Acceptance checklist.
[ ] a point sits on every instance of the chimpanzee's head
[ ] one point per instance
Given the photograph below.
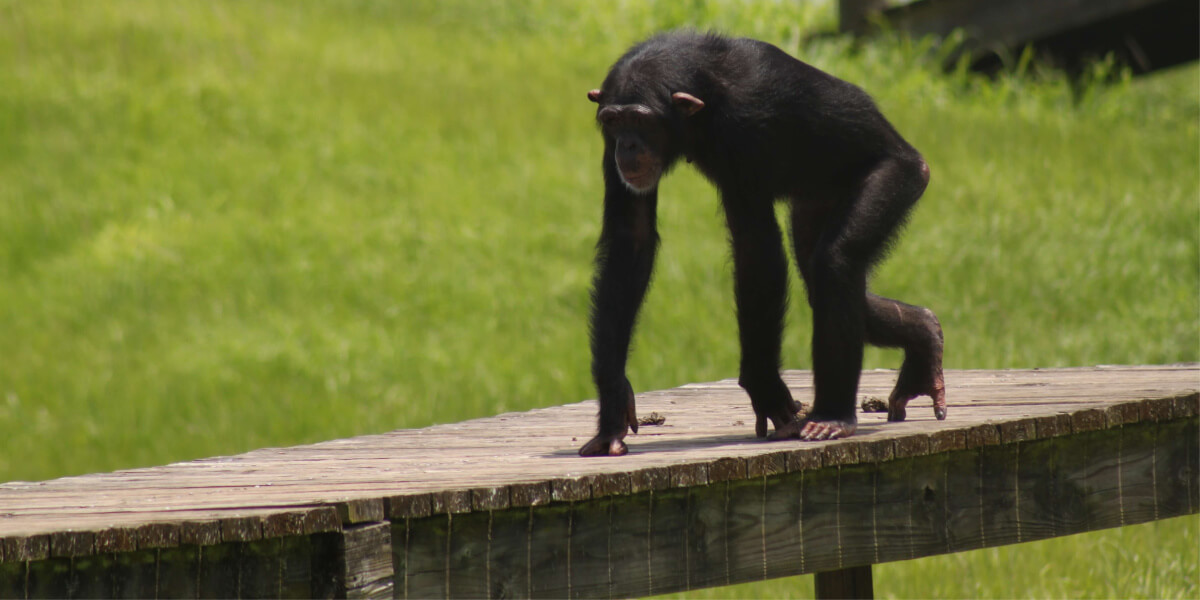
(641, 136)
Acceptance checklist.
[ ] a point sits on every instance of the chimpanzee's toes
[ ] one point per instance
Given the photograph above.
(827, 430)
(604, 446)
(909, 385)
(814, 430)
(900, 398)
(939, 402)
(760, 427)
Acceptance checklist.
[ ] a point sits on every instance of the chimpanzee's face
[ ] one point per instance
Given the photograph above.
(639, 139)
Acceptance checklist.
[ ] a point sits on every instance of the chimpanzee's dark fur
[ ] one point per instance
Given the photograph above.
(762, 126)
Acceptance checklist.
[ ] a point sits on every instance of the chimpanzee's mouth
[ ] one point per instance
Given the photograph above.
(641, 181)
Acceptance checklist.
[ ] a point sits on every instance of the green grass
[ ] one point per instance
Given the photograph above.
(228, 225)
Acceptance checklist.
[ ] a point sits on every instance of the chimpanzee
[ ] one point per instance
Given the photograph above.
(762, 126)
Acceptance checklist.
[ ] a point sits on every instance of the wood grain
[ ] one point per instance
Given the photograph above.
(823, 520)
(458, 509)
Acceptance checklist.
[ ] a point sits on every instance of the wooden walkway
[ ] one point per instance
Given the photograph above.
(502, 506)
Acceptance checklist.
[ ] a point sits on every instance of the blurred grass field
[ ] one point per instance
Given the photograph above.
(228, 225)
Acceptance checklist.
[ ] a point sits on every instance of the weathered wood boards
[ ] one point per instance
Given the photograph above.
(804, 520)
(461, 510)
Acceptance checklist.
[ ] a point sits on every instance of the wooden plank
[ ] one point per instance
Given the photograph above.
(178, 573)
(258, 569)
(529, 494)
(295, 567)
(13, 578)
(241, 529)
(417, 505)
(1098, 476)
(426, 544)
(828, 518)
(697, 502)
(361, 510)
(1041, 504)
(1136, 475)
(401, 529)
(327, 565)
(93, 575)
(965, 527)
(509, 573)
(744, 552)
(670, 511)
(69, 543)
(550, 550)
(590, 551)
(26, 547)
(199, 533)
(451, 502)
(998, 488)
(632, 519)
(135, 575)
(928, 501)
(219, 573)
(367, 559)
(467, 557)
(852, 582)
(1001, 389)
(1177, 467)
(781, 527)
(708, 555)
(51, 578)
(820, 520)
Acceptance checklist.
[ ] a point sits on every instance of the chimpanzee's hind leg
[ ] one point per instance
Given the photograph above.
(836, 242)
(894, 324)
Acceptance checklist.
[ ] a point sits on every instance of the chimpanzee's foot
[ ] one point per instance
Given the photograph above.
(812, 429)
(936, 390)
(603, 445)
(611, 445)
(760, 422)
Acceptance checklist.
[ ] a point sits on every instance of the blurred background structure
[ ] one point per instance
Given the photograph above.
(1146, 35)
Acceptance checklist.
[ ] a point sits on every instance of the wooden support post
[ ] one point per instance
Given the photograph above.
(367, 561)
(854, 582)
(364, 546)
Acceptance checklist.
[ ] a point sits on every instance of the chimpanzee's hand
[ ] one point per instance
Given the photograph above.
(760, 423)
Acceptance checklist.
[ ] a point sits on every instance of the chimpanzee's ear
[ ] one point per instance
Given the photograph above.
(686, 103)
(594, 96)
